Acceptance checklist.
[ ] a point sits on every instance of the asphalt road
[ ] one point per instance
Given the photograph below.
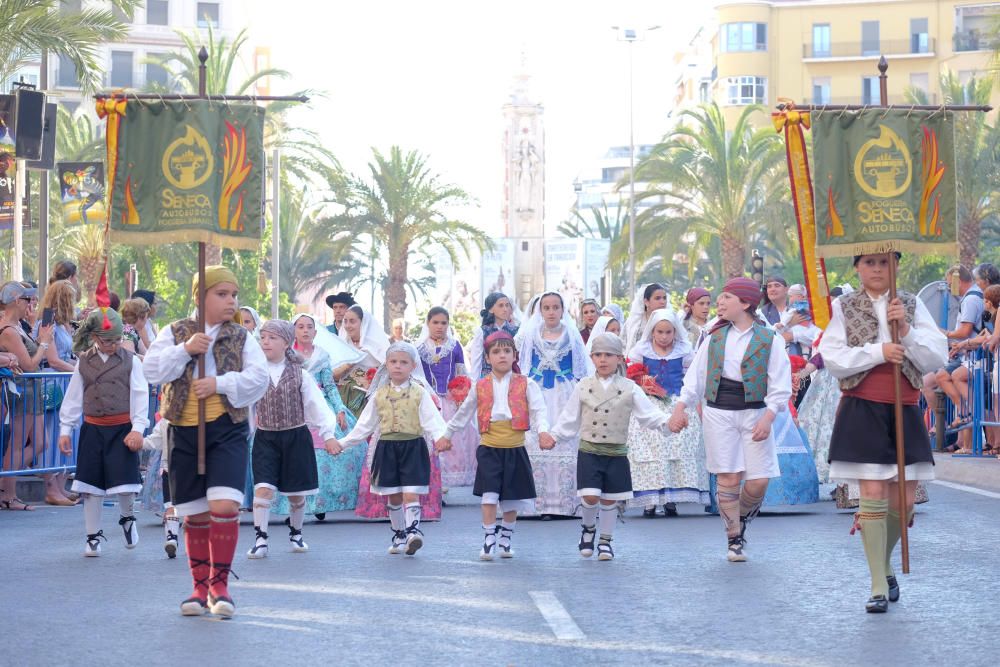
(670, 596)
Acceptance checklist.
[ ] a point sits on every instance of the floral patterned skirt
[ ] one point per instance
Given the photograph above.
(668, 467)
(816, 416)
(338, 482)
(458, 464)
(554, 469)
(798, 483)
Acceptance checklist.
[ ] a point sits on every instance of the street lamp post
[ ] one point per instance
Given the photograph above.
(631, 35)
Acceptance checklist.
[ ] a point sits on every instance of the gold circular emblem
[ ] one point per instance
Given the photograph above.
(188, 161)
(883, 167)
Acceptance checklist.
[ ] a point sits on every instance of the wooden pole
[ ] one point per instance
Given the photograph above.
(897, 377)
(202, 58)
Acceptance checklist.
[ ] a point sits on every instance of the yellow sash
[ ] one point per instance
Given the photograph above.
(502, 435)
(189, 414)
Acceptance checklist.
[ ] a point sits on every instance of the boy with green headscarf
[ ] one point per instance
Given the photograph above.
(109, 390)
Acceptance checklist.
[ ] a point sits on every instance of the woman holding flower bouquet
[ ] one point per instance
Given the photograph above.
(443, 361)
(667, 468)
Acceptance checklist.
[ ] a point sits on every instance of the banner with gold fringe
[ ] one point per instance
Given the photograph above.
(184, 171)
(886, 179)
(792, 124)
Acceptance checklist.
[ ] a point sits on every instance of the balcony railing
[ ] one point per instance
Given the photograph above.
(918, 45)
(973, 40)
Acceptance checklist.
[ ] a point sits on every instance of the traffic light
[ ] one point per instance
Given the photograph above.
(757, 267)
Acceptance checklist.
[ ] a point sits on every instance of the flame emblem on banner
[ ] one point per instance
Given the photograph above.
(835, 227)
(130, 216)
(235, 170)
(187, 169)
(933, 171)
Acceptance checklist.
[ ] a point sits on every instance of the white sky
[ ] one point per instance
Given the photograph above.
(433, 76)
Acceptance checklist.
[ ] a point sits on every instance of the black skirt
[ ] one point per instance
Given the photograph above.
(401, 464)
(864, 432)
(607, 474)
(285, 460)
(104, 463)
(226, 449)
(506, 471)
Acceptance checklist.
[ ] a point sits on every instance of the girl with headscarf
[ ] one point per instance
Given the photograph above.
(615, 311)
(291, 411)
(667, 468)
(251, 320)
(497, 315)
(364, 334)
(605, 324)
(321, 352)
(552, 353)
(647, 299)
(697, 303)
(443, 361)
(404, 422)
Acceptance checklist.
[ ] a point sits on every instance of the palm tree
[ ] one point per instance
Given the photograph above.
(403, 206)
(28, 27)
(710, 181)
(977, 160)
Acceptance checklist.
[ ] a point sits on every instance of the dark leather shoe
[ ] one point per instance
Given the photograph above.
(670, 509)
(649, 512)
(893, 589)
(877, 604)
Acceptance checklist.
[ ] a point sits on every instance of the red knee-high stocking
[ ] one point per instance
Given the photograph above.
(196, 540)
(224, 532)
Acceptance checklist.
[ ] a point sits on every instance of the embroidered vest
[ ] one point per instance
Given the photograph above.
(281, 408)
(228, 354)
(753, 368)
(517, 399)
(399, 412)
(861, 327)
(605, 413)
(107, 386)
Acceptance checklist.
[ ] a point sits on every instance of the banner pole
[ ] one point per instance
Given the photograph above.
(904, 541)
(202, 58)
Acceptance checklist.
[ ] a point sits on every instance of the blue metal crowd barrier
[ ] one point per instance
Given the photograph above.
(980, 402)
(29, 423)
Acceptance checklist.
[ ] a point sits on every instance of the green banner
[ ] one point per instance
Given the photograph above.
(184, 171)
(884, 180)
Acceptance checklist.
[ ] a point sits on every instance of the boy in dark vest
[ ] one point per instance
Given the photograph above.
(506, 405)
(283, 458)
(235, 378)
(598, 413)
(857, 349)
(109, 389)
(745, 381)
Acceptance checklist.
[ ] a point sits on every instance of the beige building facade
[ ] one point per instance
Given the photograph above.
(826, 51)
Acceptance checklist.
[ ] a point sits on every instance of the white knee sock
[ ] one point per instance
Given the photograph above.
(396, 517)
(588, 514)
(125, 503)
(412, 515)
(609, 514)
(92, 512)
(261, 512)
(297, 513)
(490, 533)
(172, 524)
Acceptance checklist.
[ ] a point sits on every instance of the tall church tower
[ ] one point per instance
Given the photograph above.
(524, 187)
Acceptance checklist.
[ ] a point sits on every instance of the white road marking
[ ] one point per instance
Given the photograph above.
(562, 624)
(968, 489)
